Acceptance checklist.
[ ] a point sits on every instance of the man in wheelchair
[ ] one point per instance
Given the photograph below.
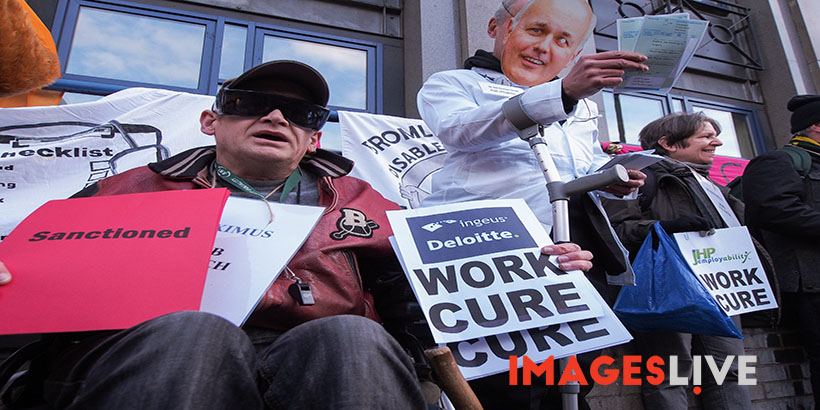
(339, 328)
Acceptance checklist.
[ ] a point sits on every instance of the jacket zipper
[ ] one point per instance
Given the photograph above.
(354, 267)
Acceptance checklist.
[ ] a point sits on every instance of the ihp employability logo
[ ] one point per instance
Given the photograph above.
(707, 256)
(466, 233)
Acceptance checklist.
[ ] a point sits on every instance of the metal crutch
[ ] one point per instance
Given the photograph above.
(559, 193)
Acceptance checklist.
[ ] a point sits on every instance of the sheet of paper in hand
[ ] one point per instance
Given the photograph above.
(728, 266)
(108, 262)
(250, 251)
(668, 41)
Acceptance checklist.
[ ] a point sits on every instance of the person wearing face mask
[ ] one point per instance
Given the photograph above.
(534, 40)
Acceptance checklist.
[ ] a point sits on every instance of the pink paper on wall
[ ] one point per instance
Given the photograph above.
(108, 262)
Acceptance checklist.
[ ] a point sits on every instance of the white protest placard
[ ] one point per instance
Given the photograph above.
(489, 355)
(249, 253)
(52, 152)
(728, 266)
(477, 270)
(397, 156)
(480, 357)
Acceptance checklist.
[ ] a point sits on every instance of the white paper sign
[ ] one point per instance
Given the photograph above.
(249, 253)
(727, 264)
(669, 42)
(477, 270)
(480, 357)
(397, 156)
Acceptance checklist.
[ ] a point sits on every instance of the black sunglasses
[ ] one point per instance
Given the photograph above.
(254, 103)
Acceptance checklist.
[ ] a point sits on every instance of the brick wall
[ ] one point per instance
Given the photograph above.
(782, 373)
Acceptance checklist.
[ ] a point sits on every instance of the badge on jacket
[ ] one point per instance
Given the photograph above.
(353, 222)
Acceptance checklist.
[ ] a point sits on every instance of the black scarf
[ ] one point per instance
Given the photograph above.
(483, 59)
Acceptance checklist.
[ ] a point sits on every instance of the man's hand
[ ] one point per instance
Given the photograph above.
(593, 72)
(5, 275)
(636, 180)
(570, 256)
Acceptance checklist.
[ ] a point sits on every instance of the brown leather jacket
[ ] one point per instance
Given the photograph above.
(345, 260)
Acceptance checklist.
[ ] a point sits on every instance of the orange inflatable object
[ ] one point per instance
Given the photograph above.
(28, 58)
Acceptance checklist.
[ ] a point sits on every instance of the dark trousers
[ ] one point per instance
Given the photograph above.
(195, 360)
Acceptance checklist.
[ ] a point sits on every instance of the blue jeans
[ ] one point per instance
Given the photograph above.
(194, 360)
(728, 396)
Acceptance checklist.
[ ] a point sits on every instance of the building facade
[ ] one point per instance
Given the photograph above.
(376, 54)
(755, 55)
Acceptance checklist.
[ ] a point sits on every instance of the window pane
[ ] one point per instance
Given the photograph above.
(345, 69)
(130, 47)
(734, 132)
(75, 98)
(677, 105)
(636, 112)
(331, 137)
(232, 62)
(611, 117)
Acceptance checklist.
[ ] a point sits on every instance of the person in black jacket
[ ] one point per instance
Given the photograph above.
(675, 194)
(783, 212)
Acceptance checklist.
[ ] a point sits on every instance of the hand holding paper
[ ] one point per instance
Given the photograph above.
(669, 42)
(593, 72)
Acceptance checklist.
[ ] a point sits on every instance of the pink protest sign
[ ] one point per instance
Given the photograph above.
(108, 262)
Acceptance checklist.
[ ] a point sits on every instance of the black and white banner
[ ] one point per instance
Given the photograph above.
(398, 156)
(52, 152)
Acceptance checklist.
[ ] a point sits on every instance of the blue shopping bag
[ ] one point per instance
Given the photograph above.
(667, 296)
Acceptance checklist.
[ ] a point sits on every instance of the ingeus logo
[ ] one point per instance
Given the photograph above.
(467, 233)
(434, 226)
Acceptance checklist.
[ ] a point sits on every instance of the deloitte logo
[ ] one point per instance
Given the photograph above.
(467, 233)
(478, 237)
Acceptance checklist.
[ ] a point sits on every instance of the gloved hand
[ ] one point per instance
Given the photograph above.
(686, 223)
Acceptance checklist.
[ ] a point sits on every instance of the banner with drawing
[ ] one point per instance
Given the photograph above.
(398, 156)
(52, 152)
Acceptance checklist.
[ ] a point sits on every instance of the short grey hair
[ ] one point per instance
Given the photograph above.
(503, 13)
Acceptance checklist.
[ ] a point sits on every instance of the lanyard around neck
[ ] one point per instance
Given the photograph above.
(233, 179)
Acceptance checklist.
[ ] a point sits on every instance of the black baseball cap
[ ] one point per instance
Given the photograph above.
(283, 70)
